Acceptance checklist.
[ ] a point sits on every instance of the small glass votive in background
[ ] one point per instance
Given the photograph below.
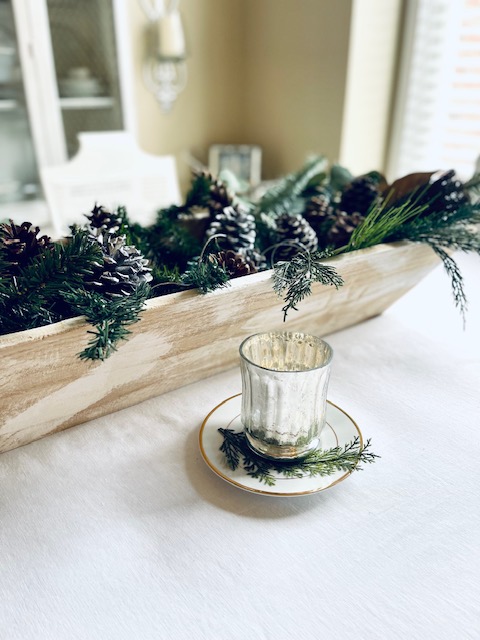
(284, 392)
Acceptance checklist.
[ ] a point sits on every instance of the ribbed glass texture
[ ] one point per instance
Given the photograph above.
(284, 392)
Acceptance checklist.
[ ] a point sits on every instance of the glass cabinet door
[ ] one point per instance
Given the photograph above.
(61, 74)
(19, 178)
(86, 66)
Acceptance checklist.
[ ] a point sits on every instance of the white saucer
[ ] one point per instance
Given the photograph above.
(339, 430)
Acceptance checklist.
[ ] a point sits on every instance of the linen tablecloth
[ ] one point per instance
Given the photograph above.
(117, 529)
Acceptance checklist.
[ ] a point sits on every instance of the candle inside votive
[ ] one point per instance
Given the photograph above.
(284, 392)
(171, 36)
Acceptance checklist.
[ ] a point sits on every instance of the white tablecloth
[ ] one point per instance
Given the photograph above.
(118, 530)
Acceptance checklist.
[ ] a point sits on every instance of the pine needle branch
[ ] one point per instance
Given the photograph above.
(456, 278)
(383, 221)
(347, 458)
(284, 195)
(293, 279)
(110, 317)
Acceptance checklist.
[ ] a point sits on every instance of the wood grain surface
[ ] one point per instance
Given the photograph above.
(182, 337)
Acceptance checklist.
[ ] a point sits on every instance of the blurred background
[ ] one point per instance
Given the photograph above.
(390, 85)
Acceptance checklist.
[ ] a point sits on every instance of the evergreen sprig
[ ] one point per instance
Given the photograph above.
(168, 243)
(199, 191)
(286, 194)
(320, 462)
(33, 297)
(446, 231)
(383, 221)
(206, 274)
(293, 279)
(110, 317)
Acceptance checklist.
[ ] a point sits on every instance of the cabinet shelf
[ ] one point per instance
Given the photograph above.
(87, 102)
(8, 104)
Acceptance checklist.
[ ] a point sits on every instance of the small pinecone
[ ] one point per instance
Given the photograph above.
(235, 264)
(445, 193)
(101, 221)
(293, 233)
(219, 197)
(239, 227)
(319, 211)
(343, 227)
(20, 243)
(359, 195)
(123, 270)
(254, 257)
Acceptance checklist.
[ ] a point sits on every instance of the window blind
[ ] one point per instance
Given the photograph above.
(436, 119)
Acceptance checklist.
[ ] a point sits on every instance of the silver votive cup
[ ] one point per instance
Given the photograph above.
(285, 378)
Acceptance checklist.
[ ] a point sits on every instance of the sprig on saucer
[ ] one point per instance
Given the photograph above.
(321, 462)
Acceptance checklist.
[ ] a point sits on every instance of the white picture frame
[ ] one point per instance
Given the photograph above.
(243, 160)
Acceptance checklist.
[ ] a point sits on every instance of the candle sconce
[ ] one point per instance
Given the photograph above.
(165, 67)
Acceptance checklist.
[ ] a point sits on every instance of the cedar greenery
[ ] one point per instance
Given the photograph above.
(42, 282)
(319, 462)
(293, 279)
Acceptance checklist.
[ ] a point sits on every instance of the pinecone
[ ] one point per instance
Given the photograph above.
(343, 227)
(101, 221)
(20, 243)
(444, 193)
(235, 264)
(293, 233)
(219, 196)
(320, 211)
(254, 257)
(359, 195)
(239, 227)
(123, 268)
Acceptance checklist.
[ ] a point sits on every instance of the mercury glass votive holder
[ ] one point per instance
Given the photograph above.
(285, 378)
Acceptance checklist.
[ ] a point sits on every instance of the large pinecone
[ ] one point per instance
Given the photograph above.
(235, 264)
(444, 193)
(239, 227)
(343, 227)
(20, 243)
(101, 221)
(359, 195)
(124, 268)
(293, 234)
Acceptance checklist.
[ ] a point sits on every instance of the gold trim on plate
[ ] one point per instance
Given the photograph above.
(261, 491)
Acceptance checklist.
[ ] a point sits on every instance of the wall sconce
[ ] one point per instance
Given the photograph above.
(165, 68)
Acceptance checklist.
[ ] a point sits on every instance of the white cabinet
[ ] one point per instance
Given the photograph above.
(65, 68)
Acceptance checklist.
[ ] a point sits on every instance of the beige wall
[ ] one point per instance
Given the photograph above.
(296, 75)
(266, 72)
(210, 109)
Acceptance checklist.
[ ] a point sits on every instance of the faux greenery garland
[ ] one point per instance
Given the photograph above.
(107, 269)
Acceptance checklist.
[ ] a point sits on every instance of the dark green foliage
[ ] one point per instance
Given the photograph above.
(293, 280)
(206, 275)
(320, 462)
(199, 191)
(454, 230)
(51, 287)
(43, 282)
(33, 297)
(110, 317)
(286, 195)
(167, 243)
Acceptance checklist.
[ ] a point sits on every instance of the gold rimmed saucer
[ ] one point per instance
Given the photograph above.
(339, 430)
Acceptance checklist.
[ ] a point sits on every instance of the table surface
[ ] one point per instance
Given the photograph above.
(117, 529)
